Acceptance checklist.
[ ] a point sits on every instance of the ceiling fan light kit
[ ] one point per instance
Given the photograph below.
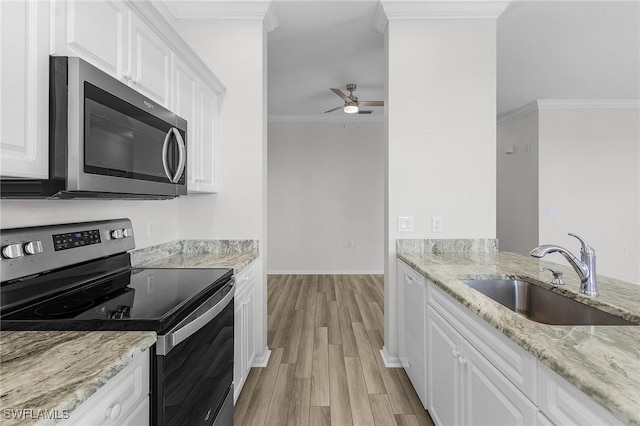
(351, 103)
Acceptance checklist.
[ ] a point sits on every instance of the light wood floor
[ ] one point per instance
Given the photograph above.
(325, 333)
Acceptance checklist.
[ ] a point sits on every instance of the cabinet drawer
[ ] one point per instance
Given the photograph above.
(516, 364)
(563, 404)
(119, 399)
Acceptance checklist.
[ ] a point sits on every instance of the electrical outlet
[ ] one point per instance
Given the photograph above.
(436, 224)
(349, 243)
(151, 229)
(625, 250)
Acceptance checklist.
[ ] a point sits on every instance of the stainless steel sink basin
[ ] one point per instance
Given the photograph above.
(541, 305)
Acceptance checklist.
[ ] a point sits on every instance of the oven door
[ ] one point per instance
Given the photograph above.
(194, 366)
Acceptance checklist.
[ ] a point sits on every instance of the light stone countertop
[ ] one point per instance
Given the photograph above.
(602, 361)
(235, 254)
(237, 261)
(56, 371)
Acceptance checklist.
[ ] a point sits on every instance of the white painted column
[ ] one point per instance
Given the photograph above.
(441, 124)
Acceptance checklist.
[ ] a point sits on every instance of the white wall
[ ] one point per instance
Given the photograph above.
(517, 183)
(162, 214)
(326, 186)
(441, 105)
(590, 175)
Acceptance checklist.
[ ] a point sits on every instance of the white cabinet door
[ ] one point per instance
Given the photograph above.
(149, 61)
(95, 31)
(244, 327)
(24, 85)
(563, 404)
(489, 398)
(238, 345)
(123, 400)
(443, 372)
(414, 329)
(186, 105)
(250, 320)
(208, 121)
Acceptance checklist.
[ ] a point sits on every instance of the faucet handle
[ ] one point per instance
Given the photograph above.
(585, 248)
(557, 276)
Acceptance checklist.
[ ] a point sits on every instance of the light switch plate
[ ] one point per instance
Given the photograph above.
(405, 224)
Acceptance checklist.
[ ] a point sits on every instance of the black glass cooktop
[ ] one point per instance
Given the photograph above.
(134, 299)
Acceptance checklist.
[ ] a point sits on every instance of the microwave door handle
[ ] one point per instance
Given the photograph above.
(183, 155)
(165, 152)
(167, 342)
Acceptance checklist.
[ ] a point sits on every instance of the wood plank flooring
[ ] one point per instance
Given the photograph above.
(325, 334)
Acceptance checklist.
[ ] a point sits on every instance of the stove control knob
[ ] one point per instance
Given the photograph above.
(128, 232)
(12, 251)
(33, 247)
(117, 234)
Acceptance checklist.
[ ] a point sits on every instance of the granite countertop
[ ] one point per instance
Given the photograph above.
(602, 361)
(56, 371)
(235, 254)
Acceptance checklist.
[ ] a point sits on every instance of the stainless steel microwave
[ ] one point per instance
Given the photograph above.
(106, 140)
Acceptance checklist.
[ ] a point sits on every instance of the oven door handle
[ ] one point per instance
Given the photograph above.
(172, 339)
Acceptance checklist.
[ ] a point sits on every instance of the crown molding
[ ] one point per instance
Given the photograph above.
(518, 112)
(436, 9)
(588, 103)
(226, 9)
(325, 118)
(542, 104)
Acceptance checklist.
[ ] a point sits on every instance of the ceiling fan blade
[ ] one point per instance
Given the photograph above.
(342, 95)
(335, 109)
(371, 103)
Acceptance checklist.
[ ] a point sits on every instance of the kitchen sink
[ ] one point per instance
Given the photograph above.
(541, 305)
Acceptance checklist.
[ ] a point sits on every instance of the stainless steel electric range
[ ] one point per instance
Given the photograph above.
(79, 277)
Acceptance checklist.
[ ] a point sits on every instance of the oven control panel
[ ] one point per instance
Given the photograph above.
(29, 251)
(76, 239)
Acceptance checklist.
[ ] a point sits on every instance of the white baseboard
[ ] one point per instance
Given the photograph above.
(262, 360)
(390, 362)
(325, 272)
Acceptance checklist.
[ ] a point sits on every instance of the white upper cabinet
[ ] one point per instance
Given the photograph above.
(196, 102)
(149, 61)
(114, 38)
(129, 40)
(96, 31)
(205, 178)
(24, 85)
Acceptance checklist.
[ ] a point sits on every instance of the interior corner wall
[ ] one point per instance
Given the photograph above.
(325, 185)
(517, 183)
(441, 110)
(590, 176)
(234, 51)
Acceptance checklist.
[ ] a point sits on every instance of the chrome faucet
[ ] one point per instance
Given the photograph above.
(585, 267)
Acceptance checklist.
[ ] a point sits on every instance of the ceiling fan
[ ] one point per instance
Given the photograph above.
(351, 103)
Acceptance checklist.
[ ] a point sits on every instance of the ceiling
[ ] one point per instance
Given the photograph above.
(545, 50)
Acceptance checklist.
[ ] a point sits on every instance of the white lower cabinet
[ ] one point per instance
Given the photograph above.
(244, 342)
(563, 404)
(464, 388)
(477, 376)
(123, 400)
(412, 347)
